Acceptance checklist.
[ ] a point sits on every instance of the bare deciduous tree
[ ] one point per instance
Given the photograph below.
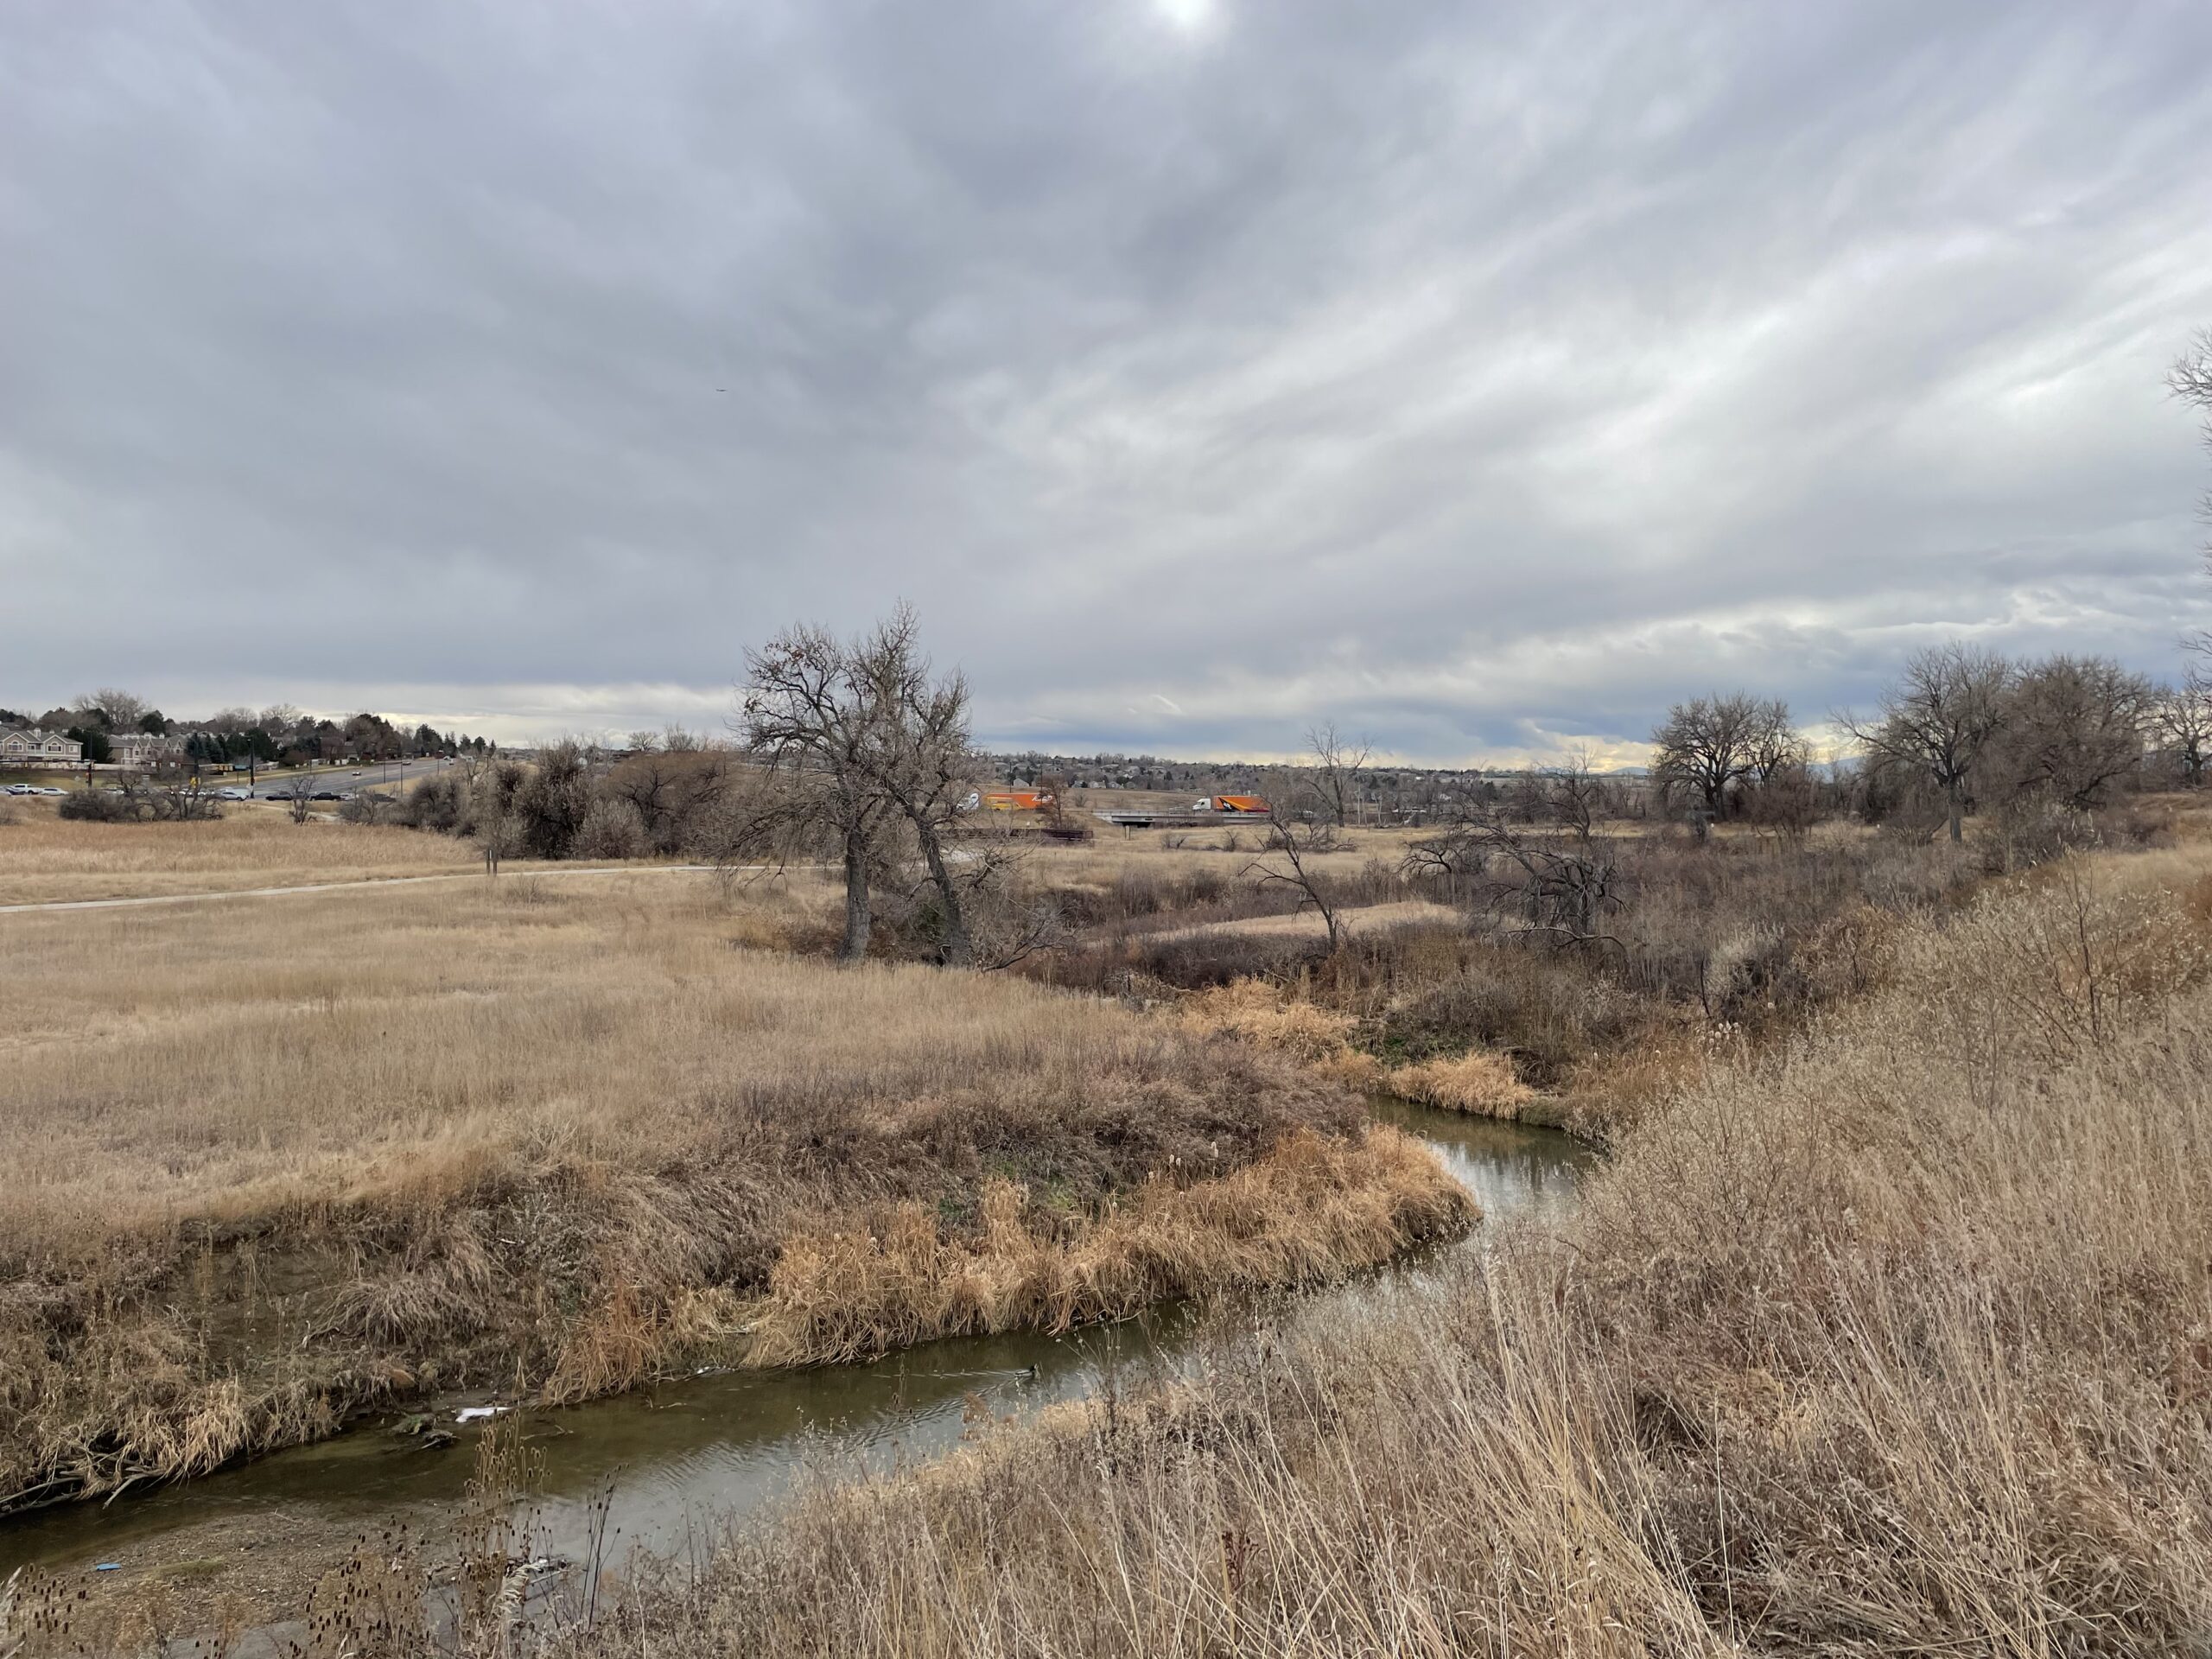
(673, 790)
(171, 792)
(1938, 720)
(1786, 799)
(1575, 797)
(2191, 380)
(2181, 719)
(1339, 763)
(2073, 728)
(1710, 745)
(920, 758)
(1288, 859)
(873, 740)
(299, 798)
(1557, 889)
(118, 710)
(806, 715)
(1006, 924)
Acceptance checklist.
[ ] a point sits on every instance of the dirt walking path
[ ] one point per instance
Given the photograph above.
(339, 887)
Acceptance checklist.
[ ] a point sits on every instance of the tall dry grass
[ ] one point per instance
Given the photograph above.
(44, 858)
(544, 1136)
(1894, 1340)
(1313, 1209)
(1478, 1082)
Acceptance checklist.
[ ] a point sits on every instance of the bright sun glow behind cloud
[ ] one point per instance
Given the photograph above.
(1190, 16)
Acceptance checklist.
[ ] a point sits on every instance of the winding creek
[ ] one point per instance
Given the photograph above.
(672, 1461)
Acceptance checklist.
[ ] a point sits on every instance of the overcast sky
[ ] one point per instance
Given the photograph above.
(1483, 376)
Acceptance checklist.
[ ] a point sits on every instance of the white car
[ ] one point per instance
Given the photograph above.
(22, 789)
(50, 790)
(233, 793)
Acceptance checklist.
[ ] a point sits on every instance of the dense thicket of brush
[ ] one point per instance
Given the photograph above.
(1729, 941)
(1897, 1341)
(550, 1138)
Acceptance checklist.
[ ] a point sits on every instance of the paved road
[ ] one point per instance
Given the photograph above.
(534, 873)
(345, 780)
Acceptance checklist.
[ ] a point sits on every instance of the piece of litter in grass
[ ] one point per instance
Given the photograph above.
(108, 1566)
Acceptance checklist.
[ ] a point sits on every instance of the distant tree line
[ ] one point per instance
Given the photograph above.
(277, 734)
(1961, 730)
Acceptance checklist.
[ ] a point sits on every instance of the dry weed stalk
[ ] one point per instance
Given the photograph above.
(1893, 1341)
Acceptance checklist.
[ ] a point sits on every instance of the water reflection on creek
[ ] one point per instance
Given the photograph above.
(688, 1452)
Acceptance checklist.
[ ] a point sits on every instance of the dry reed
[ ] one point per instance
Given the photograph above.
(1891, 1340)
(1478, 1082)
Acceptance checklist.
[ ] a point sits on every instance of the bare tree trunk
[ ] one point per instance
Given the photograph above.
(1958, 813)
(858, 917)
(959, 950)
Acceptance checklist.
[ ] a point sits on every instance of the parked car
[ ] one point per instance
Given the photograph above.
(50, 790)
(327, 795)
(22, 789)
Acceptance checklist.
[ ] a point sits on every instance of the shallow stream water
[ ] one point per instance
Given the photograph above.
(670, 1462)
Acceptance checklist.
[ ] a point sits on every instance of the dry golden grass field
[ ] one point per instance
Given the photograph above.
(44, 858)
(271, 1156)
(1885, 1330)
(1891, 1339)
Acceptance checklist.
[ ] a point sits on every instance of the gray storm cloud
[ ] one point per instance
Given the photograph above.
(1480, 378)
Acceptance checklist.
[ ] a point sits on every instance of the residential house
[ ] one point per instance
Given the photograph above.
(19, 747)
(140, 748)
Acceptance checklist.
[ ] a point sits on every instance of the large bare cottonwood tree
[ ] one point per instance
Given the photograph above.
(922, 760)
(872, 741)
(2181, 720)
(1939, 721)
(1710, 745)
(806, 714)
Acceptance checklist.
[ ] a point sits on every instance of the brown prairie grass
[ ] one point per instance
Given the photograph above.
(45, 858)
(1478, 1082)
(546, 1134)
(1313, 1210)
(1892, 1338)
(1275, 1017)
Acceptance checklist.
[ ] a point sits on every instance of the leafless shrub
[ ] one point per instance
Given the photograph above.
(1563, 890)
(612, 828)
(171, 795)
(299, 798)
(366, 806)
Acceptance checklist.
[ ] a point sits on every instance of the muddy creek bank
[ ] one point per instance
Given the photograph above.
(670, 1462)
